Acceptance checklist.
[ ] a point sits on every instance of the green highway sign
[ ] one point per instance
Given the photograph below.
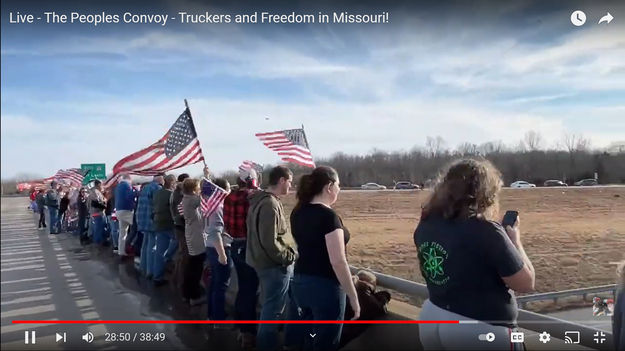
(96, 171)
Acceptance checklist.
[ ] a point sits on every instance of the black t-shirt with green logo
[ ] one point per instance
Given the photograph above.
(463, 261)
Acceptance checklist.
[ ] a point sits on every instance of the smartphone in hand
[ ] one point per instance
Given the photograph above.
(510, 218)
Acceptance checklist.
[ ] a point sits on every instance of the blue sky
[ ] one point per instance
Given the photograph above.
(76, 94)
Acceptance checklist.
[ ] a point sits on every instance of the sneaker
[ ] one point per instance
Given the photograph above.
(115, 251)
(198, 301)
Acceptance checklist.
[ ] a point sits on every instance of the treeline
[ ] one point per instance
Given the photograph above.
(570, 160)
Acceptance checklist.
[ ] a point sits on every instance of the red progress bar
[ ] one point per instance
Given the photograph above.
(230, 322)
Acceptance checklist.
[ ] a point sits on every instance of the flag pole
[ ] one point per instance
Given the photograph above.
(306, 139)
(186, 104)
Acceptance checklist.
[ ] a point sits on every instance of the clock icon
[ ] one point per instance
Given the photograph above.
(578, 18)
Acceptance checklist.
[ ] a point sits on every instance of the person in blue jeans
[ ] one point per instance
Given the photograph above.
(112, 226)
(163, 228)
(236, 207)
(321, 277)
(52, 202)
(271, 252)
(145, 224)
(97, 205)
(217, 243)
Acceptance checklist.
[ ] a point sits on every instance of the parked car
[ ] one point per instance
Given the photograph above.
(587, 182)
(372, 186)
(554, 182)
(405, 185)
(522, 184)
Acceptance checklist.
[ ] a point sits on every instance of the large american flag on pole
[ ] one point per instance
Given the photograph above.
(211, 197)
(73, 176)
(291, 145)
(179, 147)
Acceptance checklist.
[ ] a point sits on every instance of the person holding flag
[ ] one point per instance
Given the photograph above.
(194, 227)
(217, 243)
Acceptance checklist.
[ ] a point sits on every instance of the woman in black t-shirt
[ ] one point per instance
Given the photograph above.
(321, 276)
(470, 262)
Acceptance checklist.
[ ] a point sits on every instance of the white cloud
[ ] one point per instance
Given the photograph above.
(363, 89)
(226, 129)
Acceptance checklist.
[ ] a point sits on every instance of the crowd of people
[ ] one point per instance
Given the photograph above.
(298, 263)
(298, 273)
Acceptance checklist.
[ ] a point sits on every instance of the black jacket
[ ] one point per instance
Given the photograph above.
(64, 204)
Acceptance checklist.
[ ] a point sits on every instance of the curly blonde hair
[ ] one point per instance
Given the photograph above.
(467, 187)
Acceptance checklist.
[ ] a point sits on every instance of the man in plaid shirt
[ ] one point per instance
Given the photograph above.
(236, 206)
(145, 223)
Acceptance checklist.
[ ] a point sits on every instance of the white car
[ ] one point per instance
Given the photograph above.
(372, 186)
(522, 184)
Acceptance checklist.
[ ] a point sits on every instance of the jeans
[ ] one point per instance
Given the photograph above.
(162, 239)
(181, 259)
(54, 220)
(147, 253)
(191, 288)
(62, 220)
(247, 294)
(124, 221)
(274, 286)
(83, 223)
(220, 280)
(98, 229)
(113, 227)
(316, 298)
(171, 248)
(42, 217)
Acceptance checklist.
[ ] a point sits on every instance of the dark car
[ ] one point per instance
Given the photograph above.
(554, 182)
(587, 182)
(405, 185)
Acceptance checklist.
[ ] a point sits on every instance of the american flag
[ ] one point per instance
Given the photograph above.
(212, 196)
(179, 147)
(291, 145)
(73, 176)
(247, 165)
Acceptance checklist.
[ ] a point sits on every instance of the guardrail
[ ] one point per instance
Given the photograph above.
(527, 320)
(523, 300)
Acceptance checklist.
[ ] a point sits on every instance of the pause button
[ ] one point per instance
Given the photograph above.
(29, 337)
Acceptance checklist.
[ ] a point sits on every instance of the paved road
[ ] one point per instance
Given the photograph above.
(51, 277)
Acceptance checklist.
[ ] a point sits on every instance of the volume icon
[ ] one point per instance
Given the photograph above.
(88, 337)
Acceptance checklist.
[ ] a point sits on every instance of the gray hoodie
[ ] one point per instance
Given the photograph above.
(215, 229)
(194, 224)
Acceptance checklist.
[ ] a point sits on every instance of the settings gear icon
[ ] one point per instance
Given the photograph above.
(544, 337)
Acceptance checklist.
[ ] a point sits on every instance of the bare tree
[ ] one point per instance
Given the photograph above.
(533, 140)
(466, 149)
(583, 144)
(569, 141)
(575, 142)
(435, 145)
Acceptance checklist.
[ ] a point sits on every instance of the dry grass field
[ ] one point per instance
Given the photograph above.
(572, 235)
